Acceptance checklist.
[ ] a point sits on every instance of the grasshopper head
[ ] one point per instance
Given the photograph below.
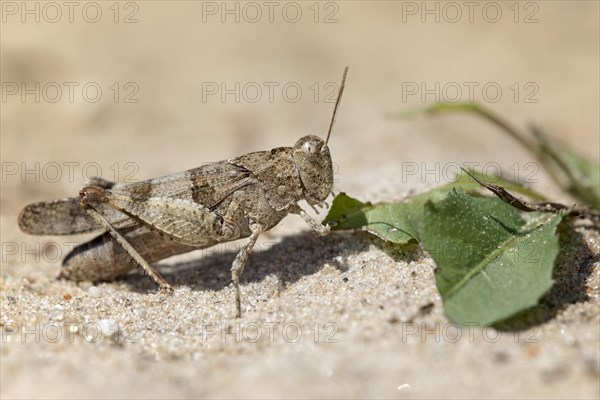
(313, 161)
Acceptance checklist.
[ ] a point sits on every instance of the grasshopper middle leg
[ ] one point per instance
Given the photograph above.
(319, 229)
(240, 262)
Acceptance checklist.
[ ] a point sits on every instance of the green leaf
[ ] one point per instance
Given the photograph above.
(399, 222)
(491, 263)
(346, 208)
(394, 222)
(442, 107)
(583, 175)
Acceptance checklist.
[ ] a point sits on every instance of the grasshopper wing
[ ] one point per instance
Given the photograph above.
(65, 217)
(189, 206)
(207, 185)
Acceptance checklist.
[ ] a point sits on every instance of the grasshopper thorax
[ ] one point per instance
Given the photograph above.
(313, 163)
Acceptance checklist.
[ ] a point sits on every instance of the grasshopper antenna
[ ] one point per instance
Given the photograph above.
(337, 104)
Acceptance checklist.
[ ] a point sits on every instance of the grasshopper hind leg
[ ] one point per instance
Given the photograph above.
(96, 194)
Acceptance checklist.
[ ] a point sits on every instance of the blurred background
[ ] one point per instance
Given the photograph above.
(135, 90)
(138, 89)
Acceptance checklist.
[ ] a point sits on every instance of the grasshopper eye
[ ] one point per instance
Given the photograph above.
(309, 147)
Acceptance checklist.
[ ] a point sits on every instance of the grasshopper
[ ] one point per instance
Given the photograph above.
(147, 221)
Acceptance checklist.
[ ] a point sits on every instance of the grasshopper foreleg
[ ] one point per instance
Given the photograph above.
(319, 229)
